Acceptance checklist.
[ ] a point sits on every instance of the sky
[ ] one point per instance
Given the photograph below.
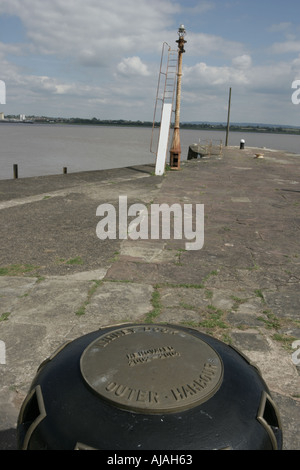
(99, 58)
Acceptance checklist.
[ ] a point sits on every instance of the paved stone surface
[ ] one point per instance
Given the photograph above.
(59, 280)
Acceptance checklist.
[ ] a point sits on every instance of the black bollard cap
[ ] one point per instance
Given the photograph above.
(148, 387)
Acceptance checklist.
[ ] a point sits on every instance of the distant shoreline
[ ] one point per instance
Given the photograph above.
(263, 129)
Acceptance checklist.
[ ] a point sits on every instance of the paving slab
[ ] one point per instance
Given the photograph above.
(59, 281)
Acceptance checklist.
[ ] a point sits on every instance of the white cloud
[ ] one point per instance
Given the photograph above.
(202, 44)
(290, 34)
(242, 62)
(257, 90)
(242, 75)
(296, 67)
(90, 29)
(199, 8)
(285, 47)
(133, 66)
(280, 27)
(212, 76)
(98, 58)
(74, 47)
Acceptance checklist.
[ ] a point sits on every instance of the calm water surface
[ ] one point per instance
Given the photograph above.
(45, 149)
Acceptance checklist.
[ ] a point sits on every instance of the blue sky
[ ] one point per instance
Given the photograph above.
(93, 58)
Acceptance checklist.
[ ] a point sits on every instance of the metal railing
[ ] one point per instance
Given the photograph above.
(165, 89)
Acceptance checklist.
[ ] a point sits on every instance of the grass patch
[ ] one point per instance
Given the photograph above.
(226, 338)
(237, 302)
(116, 257)
(81, 310)
(178, 261)
(260, 295)
(187, 286)
(208, 294)
(270, 320)
(186, 306)
(155, 301)
(76, 260)
(284, 340)
(17, 269)
(4, 316)
(215, 318)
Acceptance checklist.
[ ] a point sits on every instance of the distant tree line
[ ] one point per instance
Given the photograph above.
(185, 125)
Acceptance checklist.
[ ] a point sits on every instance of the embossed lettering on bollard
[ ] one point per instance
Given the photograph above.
(152, 369)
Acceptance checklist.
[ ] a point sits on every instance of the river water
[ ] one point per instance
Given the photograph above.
(45, 149)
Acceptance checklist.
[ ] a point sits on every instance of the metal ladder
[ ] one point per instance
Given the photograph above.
(165, 88)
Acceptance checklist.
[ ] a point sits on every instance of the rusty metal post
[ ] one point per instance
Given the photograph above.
(175, 151)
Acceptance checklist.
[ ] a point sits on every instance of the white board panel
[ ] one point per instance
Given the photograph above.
(163, 139)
